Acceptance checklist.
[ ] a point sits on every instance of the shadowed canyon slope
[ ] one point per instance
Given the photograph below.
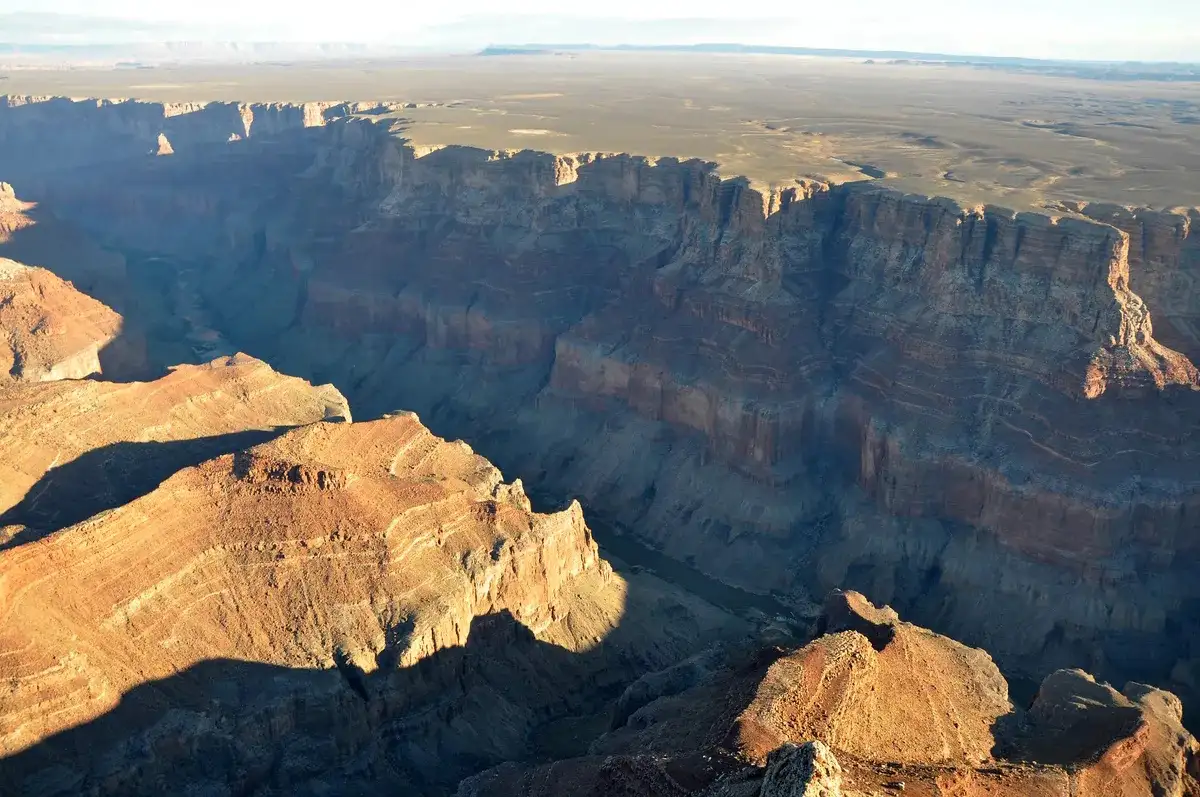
(902, 709)
(985, 418)
(216, 581)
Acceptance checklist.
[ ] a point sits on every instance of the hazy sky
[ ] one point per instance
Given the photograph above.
(1109, 29)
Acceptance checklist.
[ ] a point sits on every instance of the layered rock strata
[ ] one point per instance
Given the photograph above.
(967, 412)
(52, 331)
(349, 606)
(856, 713)
(69, 449)
(41, 133)
(215, 581)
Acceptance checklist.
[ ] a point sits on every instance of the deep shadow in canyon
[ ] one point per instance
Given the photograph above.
(245, 727)
(112, 476)
(224, 726)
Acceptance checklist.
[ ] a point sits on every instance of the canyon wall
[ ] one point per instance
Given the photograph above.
(70, 132)
(986, 418)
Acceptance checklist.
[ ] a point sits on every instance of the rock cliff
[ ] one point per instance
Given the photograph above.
(51, 133)
(910, 395)
(72, 448)
(986, 418)
(216, 581)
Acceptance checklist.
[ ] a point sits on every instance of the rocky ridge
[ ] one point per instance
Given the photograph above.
(338, 605)
(70, 447)
(216, 580)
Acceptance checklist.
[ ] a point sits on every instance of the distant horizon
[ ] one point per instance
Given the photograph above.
(1103, 31)
(367, 48)
(734, 48)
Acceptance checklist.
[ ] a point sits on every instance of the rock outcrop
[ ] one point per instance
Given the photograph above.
(1114, 740)
(71, 449)
(808, 770)
(947, 729)
(911, 697)
(233, 540)
(49, 330)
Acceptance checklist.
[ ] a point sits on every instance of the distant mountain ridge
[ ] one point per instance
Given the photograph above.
(1114, 70)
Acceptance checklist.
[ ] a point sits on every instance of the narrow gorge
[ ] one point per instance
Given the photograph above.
(987, 419)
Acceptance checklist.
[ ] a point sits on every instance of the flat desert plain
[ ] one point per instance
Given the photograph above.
(980, 136)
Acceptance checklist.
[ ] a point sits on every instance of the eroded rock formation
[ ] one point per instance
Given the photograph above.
(346, 606)
(911, 395)
(809, 770)
(856, 690)
(890, 722)
(950, 408)
(66, 132)
(53, 331)
(69, 449)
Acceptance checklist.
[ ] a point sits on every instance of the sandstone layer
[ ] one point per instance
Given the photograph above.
(346, 606)
(69, 449)
(986, 418)
(856, 713)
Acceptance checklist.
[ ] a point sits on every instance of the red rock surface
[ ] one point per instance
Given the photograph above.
(372, 522)
(923, 715)
(363, 602)
(220, 560)
(51, 431)
(51, 331)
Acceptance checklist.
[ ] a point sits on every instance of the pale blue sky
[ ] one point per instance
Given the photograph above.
(1105, 29)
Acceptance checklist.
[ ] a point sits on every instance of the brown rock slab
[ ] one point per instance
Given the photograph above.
(917, 698)
(48, 329)
(1114, 741)
(89, 443)
(807, 770)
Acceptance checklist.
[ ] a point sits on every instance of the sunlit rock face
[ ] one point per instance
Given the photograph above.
(54, 331)
(985, 418)
(217, 580)
(873, 705)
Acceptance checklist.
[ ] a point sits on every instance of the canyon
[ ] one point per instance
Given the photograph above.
(985, 418)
